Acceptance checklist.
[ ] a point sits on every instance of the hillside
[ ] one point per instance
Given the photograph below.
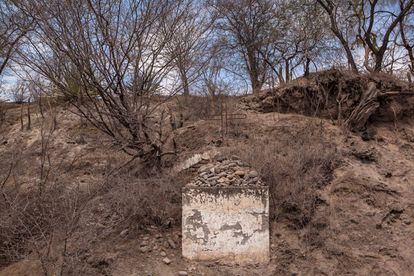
(206, 137)
(341, 204)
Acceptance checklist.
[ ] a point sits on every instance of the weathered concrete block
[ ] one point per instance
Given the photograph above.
(228, 224)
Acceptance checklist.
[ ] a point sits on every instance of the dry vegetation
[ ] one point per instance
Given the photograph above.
(81, 202)
(141, 203)
(110, 96)
(54, 184)
(295, 166)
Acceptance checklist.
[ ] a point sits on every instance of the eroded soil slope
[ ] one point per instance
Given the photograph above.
(363, 221)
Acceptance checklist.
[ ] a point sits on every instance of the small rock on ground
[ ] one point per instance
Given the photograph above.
(166, 261)
(171, 243)
(124, 233)
(144, 249)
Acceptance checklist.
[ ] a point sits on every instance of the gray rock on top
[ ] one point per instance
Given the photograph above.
(224, 172)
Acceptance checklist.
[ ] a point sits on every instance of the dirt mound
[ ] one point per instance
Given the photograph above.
(344, 96)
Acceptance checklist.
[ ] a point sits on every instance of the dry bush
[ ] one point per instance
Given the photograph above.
(39, 217)
(43, 217)
(40, 225)
(126, 109)
(295, 165)
(139, 203)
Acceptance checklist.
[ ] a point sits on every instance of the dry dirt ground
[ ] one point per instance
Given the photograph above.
(363, 225)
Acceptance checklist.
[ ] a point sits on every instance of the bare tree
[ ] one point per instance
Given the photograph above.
(13, 27)
(371, 24)
(376, 27)
(407, 38)
(190, 45)
(298, 37)
(2, 113)
(21, 95)
(316, 48)
(214, 83)
(110, 58)
(246, 24)
(340, 22)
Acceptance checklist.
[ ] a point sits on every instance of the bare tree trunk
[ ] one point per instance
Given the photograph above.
(280, 75)
(52, 111)
(256, 86)
(184, 82)
(366, 59)
(287, 71)
(344, 43)
(21, 117)
(306, 67)
(213, 103)
(253, 67)
(2, 114)
(349, 56)
(410, 50)
(379, 58)
(29, 120)
(40, 104)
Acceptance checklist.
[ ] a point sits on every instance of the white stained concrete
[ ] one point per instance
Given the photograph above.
(229, 225)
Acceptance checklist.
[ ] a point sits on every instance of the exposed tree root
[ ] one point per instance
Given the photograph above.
(352, 99)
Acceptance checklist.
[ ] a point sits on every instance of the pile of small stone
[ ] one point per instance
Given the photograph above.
(226, 172)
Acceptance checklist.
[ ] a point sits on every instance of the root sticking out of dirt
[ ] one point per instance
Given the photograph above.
(352, 99)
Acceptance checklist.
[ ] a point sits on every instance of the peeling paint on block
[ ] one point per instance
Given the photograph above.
(229, 225)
